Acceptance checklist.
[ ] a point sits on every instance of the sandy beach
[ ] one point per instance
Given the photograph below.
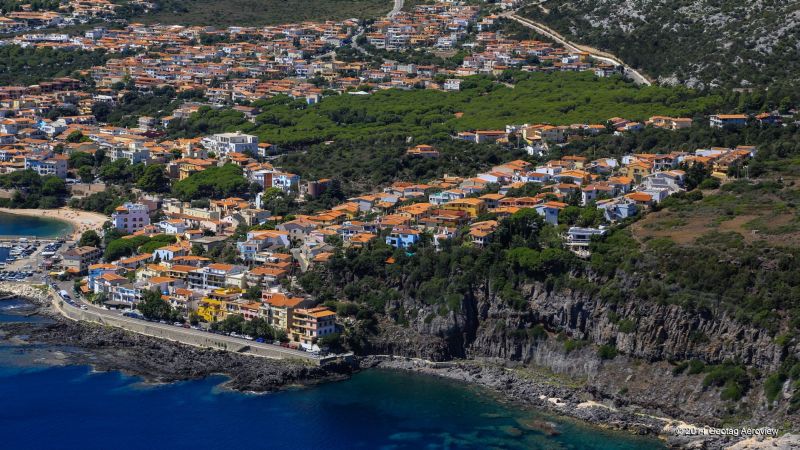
(80, 220)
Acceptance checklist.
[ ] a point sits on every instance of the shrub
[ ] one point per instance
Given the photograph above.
(773, 386)
(627, 326)
(573, 344)
(680, 368)
(607, 352)
(709, 183)
(731, 391)
(731, 377)
(696, 366)
(537, 332)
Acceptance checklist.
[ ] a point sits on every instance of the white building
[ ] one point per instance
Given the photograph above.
(130, 217)
(134, 152)
(225, 143)
(173, 227)
(56, 165)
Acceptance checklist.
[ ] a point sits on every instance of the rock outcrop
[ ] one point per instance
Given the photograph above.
(648, 336)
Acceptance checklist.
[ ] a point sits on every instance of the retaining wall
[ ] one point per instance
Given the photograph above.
(182, 335)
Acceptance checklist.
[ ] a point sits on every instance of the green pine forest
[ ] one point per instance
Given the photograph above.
(563, 98)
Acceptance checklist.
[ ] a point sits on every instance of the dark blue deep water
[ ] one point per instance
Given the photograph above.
(65, 407)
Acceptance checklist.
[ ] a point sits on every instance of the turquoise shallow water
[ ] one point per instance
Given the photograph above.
(17, 225)
(43, 407)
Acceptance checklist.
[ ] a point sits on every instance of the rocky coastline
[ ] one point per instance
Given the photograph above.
(158, 361)
(545, 391)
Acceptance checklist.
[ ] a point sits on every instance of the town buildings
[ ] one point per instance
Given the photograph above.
(130, 217)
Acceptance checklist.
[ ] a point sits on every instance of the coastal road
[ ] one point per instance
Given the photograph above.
(599, 55)
(106, 315)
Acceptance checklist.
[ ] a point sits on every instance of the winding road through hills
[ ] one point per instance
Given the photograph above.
(600, 55)
(398, 5)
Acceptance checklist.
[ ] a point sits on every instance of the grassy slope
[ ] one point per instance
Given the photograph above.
(261, 12)
(736, 248)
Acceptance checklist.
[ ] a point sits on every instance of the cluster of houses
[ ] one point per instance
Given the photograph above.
(249, 63)
(254, 63)
(538, 138)
(740, 120)
(440, 25)
(192, 282)
(445, 26)
(400, 214)
(68, 12)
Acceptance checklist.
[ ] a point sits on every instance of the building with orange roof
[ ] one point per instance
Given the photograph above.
(265, 277)
(308, 325)
(134, 262)
(640, 198)
(423, 151)
(637, 170)
(480, 233)
(360, 240)
(723, 120)
(415, 211)
(550, 210)
(281, 307)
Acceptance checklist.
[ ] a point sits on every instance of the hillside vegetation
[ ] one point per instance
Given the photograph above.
(563, 98)
(260, 12)
(667, 297)
(24, 66)
(731, 43)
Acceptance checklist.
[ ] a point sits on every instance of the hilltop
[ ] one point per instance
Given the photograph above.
(729, 43)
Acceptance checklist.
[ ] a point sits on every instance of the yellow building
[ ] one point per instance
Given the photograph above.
(217, 305)
(190, 166)
(211, 310)
(474, 207)
(637, 170)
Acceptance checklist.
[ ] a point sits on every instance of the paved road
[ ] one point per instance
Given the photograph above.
(172, 329)
(632, 73)
(398, 5)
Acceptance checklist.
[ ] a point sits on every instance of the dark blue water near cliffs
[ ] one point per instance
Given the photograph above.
(65, 407)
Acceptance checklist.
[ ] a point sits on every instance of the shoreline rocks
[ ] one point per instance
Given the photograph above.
(540, 391)
(32, 294)
(159, 361)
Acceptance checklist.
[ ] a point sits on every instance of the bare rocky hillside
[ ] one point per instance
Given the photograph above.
(702, 43)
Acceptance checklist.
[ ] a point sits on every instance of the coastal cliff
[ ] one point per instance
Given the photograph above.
(561, 331)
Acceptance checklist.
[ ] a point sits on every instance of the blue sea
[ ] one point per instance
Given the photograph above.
(44, 407)
(44, 227)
